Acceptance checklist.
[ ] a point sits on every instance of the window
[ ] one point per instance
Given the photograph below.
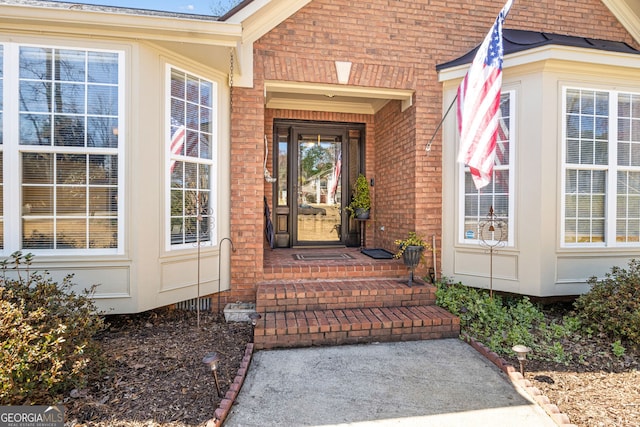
(1, 148)
(496, 195)
(66, 148)
(601, 198)
(191, 159)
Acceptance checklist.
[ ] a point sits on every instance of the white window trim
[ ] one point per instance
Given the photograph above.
(611, 170)
(213, 162)
(510, 242)
(12, 152)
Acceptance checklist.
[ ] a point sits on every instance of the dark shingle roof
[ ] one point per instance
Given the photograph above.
(520, 40)
(60, 4)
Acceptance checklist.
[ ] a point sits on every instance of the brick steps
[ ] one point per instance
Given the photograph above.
(310, 313)
(335, 294)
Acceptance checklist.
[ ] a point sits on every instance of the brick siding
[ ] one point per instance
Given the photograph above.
(393, 44)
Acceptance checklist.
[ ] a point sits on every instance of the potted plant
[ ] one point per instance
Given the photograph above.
(411, 249)
(360, 205)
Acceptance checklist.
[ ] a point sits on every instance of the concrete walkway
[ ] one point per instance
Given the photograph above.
(418, 383)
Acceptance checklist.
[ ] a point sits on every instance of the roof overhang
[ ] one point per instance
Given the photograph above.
(550, 54)
(332, 98)
(204, 40)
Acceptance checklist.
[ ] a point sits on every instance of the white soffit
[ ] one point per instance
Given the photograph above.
(332, 98)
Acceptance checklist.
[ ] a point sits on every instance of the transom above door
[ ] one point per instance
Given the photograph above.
(317, 163)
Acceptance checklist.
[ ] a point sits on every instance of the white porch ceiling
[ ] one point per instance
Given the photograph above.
(332, 98)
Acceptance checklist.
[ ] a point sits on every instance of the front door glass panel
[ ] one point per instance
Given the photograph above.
(319, 189)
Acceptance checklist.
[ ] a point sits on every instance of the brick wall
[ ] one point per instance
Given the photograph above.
(392, 44)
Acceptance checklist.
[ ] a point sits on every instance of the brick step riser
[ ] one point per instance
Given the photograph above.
(330, 295)
(311, 273)
(336, 327)
(341, 302)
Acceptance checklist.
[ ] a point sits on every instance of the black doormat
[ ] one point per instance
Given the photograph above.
(321, 257)
(378, 253)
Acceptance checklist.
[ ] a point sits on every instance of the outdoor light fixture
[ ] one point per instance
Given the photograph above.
(521, 352)
(211, 360)
(254, 318)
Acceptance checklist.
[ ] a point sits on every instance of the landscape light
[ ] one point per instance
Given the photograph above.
(211, 360)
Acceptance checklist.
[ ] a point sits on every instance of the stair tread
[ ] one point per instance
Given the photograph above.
(381, 316)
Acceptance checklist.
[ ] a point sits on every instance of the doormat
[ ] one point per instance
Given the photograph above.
(320, 257)
(378, 253)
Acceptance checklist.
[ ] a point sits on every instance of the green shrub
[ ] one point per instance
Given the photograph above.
(502, 322)
(499, 323)
(612, 306)
(46, 334)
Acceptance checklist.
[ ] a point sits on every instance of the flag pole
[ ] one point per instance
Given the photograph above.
(428, 147)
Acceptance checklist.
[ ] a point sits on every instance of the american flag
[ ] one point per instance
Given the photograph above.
(478, 106)
(335, 179)
(178, 132)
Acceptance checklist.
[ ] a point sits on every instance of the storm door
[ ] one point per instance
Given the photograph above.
(316, 163)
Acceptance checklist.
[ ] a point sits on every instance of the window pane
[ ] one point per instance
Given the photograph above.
(71, 233)
(587, 102)
(103, 170)
(37, 200)
(103, 201)
(205, 147)
(35, 97)
(37, 233)
(573, 101)
(624, 129)
(624, 154)
(102, 132)
(624, 105)
(35, 63)
(102, 100)
(103, 67)
(71, 169)
(586, 127)
(71, 201)
(69, 98)
(69, 131)
(193, 90)
(602, 128)
(103, 233)
(573, 126)
(35, 129)
(602, 104)
(70, 65)
(37, 168)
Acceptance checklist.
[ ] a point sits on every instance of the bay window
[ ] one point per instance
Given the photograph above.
(601, 197)
(191, 154)
(61, 149)
(497, 194)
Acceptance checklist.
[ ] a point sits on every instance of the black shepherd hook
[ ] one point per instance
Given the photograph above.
(233, 249)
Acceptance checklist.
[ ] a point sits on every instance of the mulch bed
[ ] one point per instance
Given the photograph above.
(154, 375)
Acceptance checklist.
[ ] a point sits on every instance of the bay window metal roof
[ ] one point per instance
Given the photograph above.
(521, 40)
